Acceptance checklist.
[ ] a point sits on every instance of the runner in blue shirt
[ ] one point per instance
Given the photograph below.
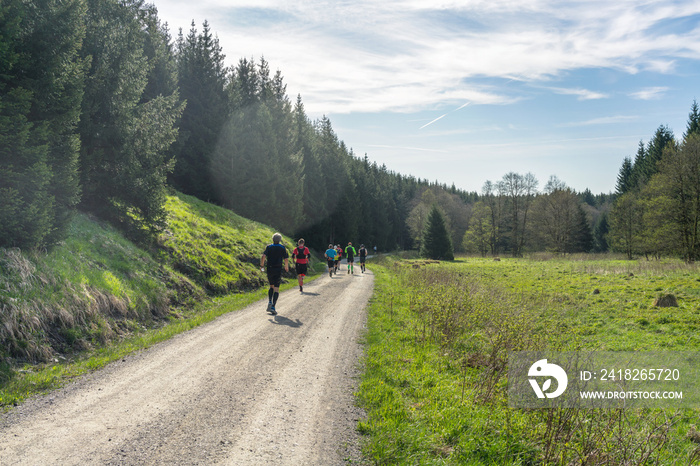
(330, 257)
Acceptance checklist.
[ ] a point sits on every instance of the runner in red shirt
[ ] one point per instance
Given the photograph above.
(338, 256)
(300, 257)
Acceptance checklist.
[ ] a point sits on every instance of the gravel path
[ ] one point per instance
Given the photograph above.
(246, 389)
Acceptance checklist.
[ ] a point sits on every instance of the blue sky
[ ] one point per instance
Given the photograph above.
(465, 91)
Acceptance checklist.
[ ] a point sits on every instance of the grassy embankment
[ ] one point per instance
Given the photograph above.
(435, 386)
(97, 296)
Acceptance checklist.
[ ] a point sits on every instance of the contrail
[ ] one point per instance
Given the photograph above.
(443, 116)
(438, 118)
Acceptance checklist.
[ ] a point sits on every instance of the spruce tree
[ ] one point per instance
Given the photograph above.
(588, 197)
(624, 177)
(256, 150)
(41, 86)
(202, 77)
(693, 121)
(580, 237)
(159, 49)
(637, 175)
(302, 139)
(600, 234)
(25, 175)
(126, 134)
(436, 242)
(662, 138)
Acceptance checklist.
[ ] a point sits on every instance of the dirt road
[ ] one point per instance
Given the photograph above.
(246, 389)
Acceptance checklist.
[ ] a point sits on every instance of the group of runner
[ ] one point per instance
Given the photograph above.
(334, 255)
(276, 256)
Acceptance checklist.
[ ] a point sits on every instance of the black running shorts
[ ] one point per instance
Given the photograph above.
(301, 269)
(274, 276)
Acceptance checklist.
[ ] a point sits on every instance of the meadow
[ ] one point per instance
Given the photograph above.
(439, 335)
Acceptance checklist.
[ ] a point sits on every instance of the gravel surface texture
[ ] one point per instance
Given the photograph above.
(246, 389)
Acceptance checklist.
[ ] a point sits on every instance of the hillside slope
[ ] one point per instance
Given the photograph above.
(97, 286)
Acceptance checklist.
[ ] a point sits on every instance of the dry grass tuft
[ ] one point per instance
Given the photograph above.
(693, 434)
(20, 266)
(666, 300)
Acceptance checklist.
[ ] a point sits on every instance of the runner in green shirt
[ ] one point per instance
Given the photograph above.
(350, 257)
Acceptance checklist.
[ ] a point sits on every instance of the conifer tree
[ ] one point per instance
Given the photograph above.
(255, 169)
(202, 77)
(436, 242)
(588, 197)
(25, 210)
(662, 138)
(303, 146)
(126, 136)
(637, 175)
(24, 172)
(581, 238)
(41, 85)
(600, 234)
(158, 48)
(624, 177)
(693, 120)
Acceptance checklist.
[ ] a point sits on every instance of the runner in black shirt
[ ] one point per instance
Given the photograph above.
(363, 256)
(276, 255)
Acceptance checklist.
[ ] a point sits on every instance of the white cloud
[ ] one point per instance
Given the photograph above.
(610, 120)
(583, 94)
(407, 55)
(419, 149)
(649, 93)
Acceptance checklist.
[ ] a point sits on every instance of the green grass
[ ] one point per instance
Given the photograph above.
(621, 316)
(215, 247)
(435, 384)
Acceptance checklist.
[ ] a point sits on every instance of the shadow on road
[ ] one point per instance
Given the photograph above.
(306, 293)
(281, 320)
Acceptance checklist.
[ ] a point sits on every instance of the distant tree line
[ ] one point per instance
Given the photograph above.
(102, 110)
(513, 217)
